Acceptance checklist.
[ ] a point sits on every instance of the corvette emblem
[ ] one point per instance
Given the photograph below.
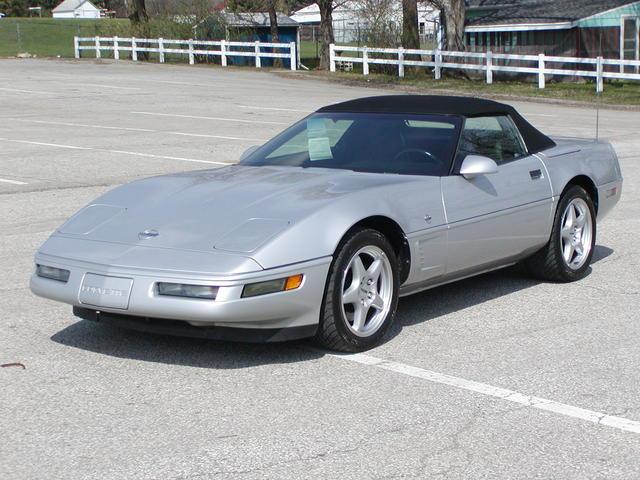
(149, 233)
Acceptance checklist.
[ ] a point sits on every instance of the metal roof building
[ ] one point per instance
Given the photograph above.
(576, 28)
(76, 9)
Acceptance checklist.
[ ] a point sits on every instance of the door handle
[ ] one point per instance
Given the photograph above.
(535, 174)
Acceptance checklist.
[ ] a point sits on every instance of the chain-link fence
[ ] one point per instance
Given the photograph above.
(359, 36)
(48, 37)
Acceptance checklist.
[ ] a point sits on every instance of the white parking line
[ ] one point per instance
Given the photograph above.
(190, 84)
(147, 130)
(121, 152)
(223, 137)
(139, 154)
(83, 125)
(13, 182)
(27, 91)
(240, 120)
(276, 109)
(56, 145)
(509, 395)
(99, 85)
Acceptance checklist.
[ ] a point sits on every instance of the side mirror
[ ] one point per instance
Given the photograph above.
(474, 165)
(249, 151)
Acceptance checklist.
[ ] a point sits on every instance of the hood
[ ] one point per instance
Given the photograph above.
(232, 209)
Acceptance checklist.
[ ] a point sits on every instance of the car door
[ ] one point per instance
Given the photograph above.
(496, 217)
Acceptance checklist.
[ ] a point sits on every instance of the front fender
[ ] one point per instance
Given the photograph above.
(319, 233)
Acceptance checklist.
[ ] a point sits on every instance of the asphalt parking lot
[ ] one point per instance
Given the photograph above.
(458, 390)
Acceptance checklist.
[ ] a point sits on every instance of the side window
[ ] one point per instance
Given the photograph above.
(493, 137)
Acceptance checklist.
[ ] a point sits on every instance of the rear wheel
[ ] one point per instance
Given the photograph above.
(361, 294)
(567, 256)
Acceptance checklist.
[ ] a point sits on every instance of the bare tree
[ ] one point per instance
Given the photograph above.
(379, 27)
(138, 14)
(140, 23)
(272, 6)
(326, 31)
(410, 34)
(452, 15)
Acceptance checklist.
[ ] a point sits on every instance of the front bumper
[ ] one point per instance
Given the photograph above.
(275, 311)
(179, 328)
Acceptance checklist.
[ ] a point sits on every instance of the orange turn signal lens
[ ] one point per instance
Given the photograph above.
(272, 286)
(293, 282)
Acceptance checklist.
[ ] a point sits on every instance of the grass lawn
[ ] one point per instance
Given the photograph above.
(48, 37)
(615, 92)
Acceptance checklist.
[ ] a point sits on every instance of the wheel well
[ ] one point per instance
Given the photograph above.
(590, 187)
(394, 234)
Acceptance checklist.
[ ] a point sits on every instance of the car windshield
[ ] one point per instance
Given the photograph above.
(366, 142)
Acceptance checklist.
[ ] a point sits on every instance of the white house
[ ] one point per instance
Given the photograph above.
(349, 18)
(76, 9)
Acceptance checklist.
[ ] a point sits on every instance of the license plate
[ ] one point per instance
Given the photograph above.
(104, 291)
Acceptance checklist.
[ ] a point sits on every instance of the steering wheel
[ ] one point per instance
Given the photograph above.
(429, 155)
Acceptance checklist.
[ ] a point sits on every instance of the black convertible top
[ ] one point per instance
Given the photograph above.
(535, 140)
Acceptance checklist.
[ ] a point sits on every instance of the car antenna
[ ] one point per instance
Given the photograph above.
(598, 93)
(597, 115)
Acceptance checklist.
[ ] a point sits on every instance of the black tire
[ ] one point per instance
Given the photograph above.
(548, 263)
(333, 331)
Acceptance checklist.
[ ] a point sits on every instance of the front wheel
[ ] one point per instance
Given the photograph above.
(567, 256)
(361, 294)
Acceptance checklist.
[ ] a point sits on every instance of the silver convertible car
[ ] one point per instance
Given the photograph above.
(317, 232)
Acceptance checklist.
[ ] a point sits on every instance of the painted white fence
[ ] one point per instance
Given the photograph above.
(162, 46)
(486, 62)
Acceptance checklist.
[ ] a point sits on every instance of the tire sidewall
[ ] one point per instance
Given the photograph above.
(571, 194)
(355, 242)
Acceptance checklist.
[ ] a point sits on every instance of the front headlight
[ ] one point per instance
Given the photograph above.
(272, 286)
(205, 292)
(52, 273)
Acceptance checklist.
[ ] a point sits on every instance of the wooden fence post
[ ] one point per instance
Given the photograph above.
(332, 57)
(541, 79)
(401, 62)
(223, 52)
(161, 50)
(293, 56)
(365, 60)
(191, 58)
(134, 51)
(256, 49)
(97, 47)
(76, 47)
(599, 76)
(116, 52)
(489, 66)
(437, 71)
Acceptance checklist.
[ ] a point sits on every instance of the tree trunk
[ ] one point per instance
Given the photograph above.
(273, 23)
(410, 34)
(140, 23)
(139, 13)
(454, 11)
(326, 31)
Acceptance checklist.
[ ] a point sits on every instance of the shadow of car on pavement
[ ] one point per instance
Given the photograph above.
(418, 308)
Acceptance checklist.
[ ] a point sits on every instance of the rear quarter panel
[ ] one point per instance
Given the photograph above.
(594, 159)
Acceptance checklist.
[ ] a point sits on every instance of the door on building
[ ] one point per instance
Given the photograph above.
(629, 42)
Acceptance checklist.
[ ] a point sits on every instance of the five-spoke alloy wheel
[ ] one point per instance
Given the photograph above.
(576, 233)
(367, 290)
(567, 255)
(361, 293)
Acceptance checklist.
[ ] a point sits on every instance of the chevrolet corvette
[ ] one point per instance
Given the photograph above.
(319, 231)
